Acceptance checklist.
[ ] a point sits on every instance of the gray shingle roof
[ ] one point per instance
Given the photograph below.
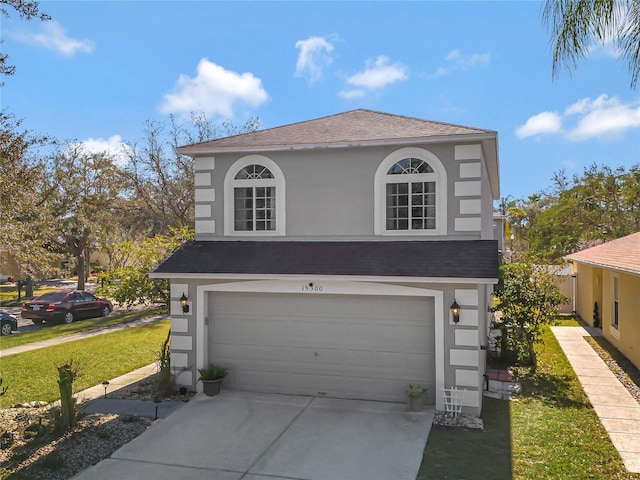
(440, 259)
(348, 128)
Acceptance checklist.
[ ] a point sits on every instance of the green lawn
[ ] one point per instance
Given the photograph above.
(9, 294)
(32, 375)
(58, 330)
(549, 432)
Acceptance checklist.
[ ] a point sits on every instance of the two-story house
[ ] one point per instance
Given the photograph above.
(329, 254)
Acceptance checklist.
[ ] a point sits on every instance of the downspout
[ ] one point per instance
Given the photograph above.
(574, 281)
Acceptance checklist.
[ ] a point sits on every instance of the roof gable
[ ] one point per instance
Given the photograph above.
(343, 129)
(356, 128)
(620, 254)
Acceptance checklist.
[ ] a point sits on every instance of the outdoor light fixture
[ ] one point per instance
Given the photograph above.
(184, 302)
(105, 384)
(6, 440)
(455, 311)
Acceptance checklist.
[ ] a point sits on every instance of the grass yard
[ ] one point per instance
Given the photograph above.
(32, 375)
(9, 294)
(58, 330)
(549, 432)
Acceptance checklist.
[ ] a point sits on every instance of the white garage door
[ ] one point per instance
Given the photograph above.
(365, 347)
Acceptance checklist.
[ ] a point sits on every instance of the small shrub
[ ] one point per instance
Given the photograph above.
(165, 381)
(53, 462)
(212, 372)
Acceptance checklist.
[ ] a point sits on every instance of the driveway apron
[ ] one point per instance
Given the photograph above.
(253, 436)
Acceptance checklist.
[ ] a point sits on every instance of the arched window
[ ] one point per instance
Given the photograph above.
(254, 197)
(410, 193)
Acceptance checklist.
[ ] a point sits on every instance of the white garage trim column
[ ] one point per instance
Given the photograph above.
(324, 287)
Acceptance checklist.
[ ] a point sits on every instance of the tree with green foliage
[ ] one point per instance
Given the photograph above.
(83, 188)
(529, 297)
(26, 224)
(600, 205)
(129, 284)
(575, 25)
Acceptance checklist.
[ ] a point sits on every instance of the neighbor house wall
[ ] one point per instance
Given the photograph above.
(586, 279)
(626, 337)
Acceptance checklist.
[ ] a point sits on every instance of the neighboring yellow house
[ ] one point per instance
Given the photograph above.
(609, 275)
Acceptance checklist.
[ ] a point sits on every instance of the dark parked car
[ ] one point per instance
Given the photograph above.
(66, 306)
(8, 323)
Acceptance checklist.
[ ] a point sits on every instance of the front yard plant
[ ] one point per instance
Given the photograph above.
(549, 431)
(529, 297)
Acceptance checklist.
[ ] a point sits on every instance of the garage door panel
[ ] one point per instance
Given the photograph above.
(366, 347)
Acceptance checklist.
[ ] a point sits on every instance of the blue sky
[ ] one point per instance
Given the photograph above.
(100, 69)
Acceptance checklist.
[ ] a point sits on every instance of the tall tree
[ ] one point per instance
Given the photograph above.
(600, 205)
(576, 24)
(25, 10)
(83, 189)
(25, 231)
(160, 180)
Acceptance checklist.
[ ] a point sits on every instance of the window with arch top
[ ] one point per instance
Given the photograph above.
(410, 194)
(254, 197)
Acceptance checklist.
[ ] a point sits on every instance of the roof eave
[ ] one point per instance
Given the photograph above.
(202, 149)
(358, 278)
(603, 265)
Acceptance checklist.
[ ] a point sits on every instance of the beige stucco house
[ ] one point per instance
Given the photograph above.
(609, 275)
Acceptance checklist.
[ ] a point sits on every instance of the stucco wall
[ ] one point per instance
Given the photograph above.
(330, 193)
(596, 285)
(587, 284)
(627, 337)
(463, 357)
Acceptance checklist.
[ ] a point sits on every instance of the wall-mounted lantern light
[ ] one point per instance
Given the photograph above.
(184, 303)
(455, 311)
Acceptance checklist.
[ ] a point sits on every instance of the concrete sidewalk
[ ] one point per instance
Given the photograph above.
(95, 401)
(80, 335)
(619, 412)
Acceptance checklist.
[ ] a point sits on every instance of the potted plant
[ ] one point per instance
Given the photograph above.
(212, 379)
(416, 396)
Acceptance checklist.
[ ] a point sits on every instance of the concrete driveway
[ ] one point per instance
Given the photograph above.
(253, 436)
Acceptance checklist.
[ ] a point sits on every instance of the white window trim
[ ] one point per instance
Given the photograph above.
(278, 181)
(615, 329)
(379, 191)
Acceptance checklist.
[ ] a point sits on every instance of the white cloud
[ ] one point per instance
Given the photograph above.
(53, 37)
(455, 61)
(354, 93)
(542, 123)
(378, 74)
(602, 117)
(607, 49)
(313, 57)
(214, 91)
(113, 146)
